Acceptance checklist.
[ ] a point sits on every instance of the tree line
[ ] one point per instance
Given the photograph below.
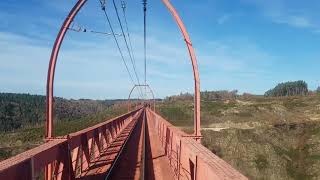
(206, 95)
(22, 110)
(219, 95)
(295, 88)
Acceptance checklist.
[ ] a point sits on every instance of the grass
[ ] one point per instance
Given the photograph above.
(292, 103)
(180, 114)
(261, 162)
(315, 157)
(298, 158)
(290, 151)
(4, 153)
(250, 151)
(207, 141)
(245, 114)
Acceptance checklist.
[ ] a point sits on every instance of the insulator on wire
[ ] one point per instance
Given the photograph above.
(144, 2)
(78, 28)
(105, 33)
(123, 5)
(103, 4)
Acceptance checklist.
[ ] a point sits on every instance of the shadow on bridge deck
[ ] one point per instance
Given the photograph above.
(157, 163)
(129, 163)
(121, 149)
(101, 166)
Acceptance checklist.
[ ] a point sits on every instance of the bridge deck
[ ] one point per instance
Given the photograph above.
(101, 166)
(137, 145)
(156, 161)
(129, 163)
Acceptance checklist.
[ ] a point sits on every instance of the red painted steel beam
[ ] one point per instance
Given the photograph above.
(56, 49)
(51, 73)
(125, 164)
(192, 54)
(28, 165)
(133, 88)
(187, 158)
(53, 62)
(54, 57)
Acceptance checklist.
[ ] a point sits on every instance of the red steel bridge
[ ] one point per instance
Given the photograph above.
(137, 145)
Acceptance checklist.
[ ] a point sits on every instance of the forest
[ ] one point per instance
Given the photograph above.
(206, 96)
(294, 88)
(24, 110)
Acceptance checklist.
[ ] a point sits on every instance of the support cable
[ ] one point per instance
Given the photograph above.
(103, 7)
(126, 42)
(78, 28)
(145, 40)
(123, 6)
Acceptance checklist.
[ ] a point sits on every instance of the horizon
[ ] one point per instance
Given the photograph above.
(248, 45)
(84, 98)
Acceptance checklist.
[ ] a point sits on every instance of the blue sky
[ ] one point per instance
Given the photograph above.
(249, 45)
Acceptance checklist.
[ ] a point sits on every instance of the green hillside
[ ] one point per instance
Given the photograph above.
(22, 118)
(263, 137)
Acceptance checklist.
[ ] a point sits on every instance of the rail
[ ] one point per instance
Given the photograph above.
(143, 151)
(120, 153)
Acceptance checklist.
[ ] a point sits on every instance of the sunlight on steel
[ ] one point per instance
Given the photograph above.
(55, 53)
(193, 58)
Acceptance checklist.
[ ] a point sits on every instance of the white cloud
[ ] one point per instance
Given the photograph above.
(234, 55)
(93, 69)
(223, 19)
(288, 13)
(295, 21)
(233, 64)
(88, 69)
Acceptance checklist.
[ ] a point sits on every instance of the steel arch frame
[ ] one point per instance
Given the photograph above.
(52, 65)
(140, 85)
(55, 53)
(193, 59)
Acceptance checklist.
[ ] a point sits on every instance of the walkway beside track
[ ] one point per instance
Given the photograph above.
(157, 163)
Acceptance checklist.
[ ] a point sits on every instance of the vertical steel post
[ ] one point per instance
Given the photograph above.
(52, 65)
(145, 42)
(192, 54)
(51, 73)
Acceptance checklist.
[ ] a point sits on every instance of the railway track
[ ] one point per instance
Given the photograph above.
(132, 155)
(104, 167)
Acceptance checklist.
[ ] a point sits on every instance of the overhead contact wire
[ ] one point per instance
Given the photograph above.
(116, 40)
(126, 42)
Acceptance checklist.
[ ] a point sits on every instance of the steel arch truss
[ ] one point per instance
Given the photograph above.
(140, 85)
(55, 52)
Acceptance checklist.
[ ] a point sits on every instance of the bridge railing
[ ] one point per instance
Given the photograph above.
(70, 155)
(189, 159)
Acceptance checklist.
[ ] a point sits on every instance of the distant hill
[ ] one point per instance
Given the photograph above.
(207, 96)
(21, 110)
